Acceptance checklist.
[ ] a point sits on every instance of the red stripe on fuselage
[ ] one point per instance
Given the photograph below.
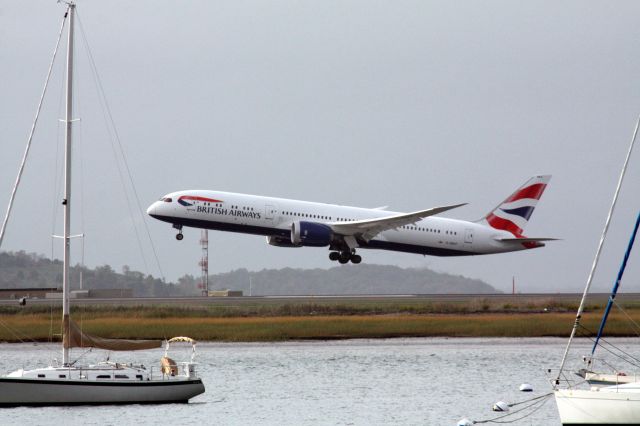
(534, 191)
(196, 198)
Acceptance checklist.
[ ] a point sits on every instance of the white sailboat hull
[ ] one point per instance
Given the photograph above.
(609, 379)
(598, 407)
(31, 391)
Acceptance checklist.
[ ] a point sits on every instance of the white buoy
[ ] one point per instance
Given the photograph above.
(500, 406)
(526, 387)
(465, 422)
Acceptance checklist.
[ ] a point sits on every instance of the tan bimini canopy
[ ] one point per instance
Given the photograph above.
(181, 339)
(74, 337)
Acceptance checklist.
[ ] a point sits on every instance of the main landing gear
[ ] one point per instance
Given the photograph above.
(179, 235)
(345, 256)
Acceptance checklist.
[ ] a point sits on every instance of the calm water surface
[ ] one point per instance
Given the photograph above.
(355, 382)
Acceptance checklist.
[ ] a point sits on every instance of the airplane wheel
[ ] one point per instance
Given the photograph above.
(334, 255)
(179, 237)
(344, 257)
(356, 259)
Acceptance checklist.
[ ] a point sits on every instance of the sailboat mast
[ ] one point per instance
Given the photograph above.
(616, 284)
(597, 257)
(67, 179)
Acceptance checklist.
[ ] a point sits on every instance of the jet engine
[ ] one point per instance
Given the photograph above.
(311, 234)
(275, 240)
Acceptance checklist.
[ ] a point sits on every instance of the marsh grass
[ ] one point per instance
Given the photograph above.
(479, 317)
(280, 328)
(363, 307)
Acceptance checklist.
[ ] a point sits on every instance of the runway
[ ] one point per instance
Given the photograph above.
(597, 298)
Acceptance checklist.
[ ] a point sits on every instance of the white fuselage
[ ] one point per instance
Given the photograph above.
(274, 218)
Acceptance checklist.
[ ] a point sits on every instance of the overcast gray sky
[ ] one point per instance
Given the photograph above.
(410, 104)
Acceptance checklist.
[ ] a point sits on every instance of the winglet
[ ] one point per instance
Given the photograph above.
(438, 210)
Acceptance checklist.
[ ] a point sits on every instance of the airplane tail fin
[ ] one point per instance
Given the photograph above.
(514, 213)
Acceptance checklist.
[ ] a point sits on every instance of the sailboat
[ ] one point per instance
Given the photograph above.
(612, 399)
(617, 377)
(69, 383)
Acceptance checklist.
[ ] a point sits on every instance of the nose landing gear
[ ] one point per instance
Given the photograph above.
(179, 235)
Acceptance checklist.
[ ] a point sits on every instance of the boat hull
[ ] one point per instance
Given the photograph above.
(592, 407)
(609, 379)
(37, 392)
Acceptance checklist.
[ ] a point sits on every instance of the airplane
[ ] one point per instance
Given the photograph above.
(343, 229)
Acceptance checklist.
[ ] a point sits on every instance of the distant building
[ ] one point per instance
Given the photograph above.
(225, 293)
(110, 293)
(29, 293)
(54, 293)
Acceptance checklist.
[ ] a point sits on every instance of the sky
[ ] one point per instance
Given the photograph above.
(406, 104)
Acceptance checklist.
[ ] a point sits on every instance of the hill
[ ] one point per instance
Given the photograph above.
(348, 279)
(24, 270)
(30, 270)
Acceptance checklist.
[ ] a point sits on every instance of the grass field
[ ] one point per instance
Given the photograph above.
(294, 321)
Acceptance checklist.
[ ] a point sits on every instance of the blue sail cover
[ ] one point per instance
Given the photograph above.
(614, 291)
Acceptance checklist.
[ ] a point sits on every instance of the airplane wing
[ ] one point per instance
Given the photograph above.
(369, 228)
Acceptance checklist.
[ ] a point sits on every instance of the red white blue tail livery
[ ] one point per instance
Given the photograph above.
(514, 213)
(343, 229)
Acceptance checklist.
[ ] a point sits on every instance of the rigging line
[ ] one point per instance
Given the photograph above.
(589, 336)
(541, 401)
(31, 133)
(26, 339)
(599, 250)
(617, 283)
(79, 145)
(530, 399)
(102, 102)
(622, 358)
(533, 411)
(635, 364)
(628, 316)
(81, 356)
(13, 332)
(57, 171)
(124, 158)
(604, 362)
(51, 323)
(629, 358)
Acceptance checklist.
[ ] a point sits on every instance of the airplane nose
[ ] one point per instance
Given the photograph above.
(152, 208)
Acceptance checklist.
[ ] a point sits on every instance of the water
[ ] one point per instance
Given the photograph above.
(354, 382)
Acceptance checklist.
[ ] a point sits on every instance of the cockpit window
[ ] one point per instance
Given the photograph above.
(166, 199)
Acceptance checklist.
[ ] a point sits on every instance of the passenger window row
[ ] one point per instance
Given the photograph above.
(435, 231)
(312, 216)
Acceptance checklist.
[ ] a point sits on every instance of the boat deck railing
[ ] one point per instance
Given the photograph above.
(183, 369)
(564, 379)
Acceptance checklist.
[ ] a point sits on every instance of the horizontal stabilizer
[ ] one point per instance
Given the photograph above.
(526, 240)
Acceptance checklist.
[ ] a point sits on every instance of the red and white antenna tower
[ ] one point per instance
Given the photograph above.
(204, 262)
